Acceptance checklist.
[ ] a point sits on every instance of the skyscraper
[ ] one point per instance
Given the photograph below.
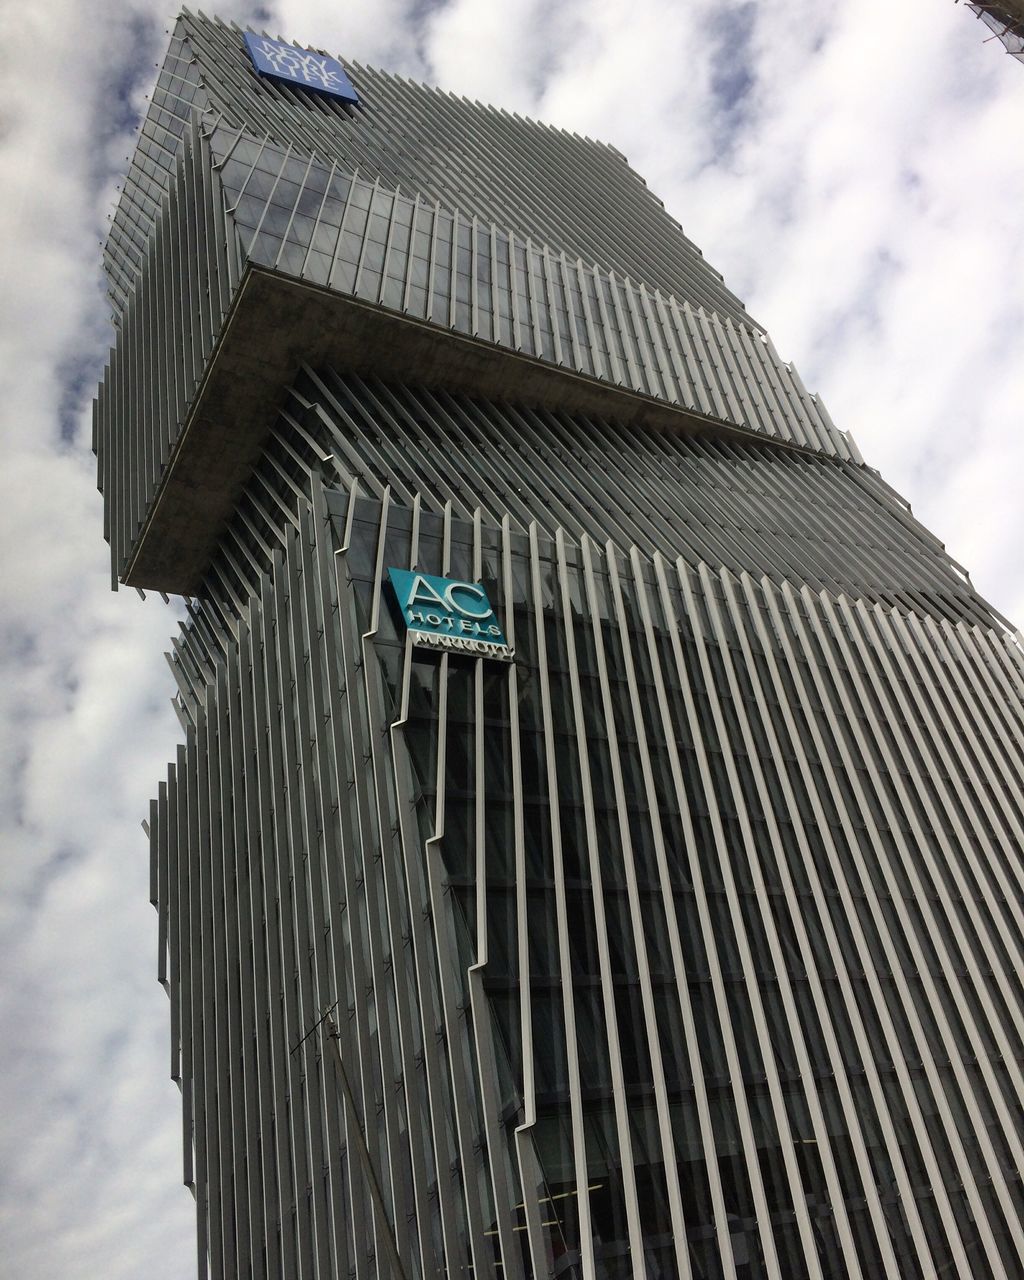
(595, 845)
(1006, 19)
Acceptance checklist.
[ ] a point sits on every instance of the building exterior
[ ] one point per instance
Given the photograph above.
(1006, 19)
(595, 845)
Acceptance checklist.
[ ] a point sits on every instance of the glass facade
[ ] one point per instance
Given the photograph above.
(686, 945)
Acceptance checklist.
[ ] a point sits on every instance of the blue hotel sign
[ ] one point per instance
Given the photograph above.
(449, 615)
(292, 65)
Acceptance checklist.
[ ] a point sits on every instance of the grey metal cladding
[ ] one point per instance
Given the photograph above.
(687, 945)
(329, 226)
(574, 194)
(165, 336)
(569, 192)
(1006, 19)
(752, 508)
(231, 172)
(233, 200)
(176, 96)
(738, 790)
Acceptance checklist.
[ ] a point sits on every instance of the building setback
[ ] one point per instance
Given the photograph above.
(688, 942)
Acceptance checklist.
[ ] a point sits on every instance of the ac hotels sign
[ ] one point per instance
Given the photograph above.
(449, 614)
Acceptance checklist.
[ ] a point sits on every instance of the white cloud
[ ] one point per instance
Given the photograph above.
(863, 195)
(868, 215)
(379, 34)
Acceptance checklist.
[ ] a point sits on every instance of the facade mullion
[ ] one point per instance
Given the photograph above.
(1011, 657)
(530, 1175)
(424, 890)
(362, 910)
(453, 455)
(469, 1242)
(781, 1118)
(716, 615)
(232, 1136)
(991, 760)
(755, 411)
(1000, 896)
(969, 783)
(351, 947)
(255, 986)
(585, 1242)
(985, 654)
(721, 1215)
(323, 606)
(601, 925)
(742, 1111)
(942, 930)
(740, 619)
(313, 985)
(636, 910)
(908, 1010)
(482, 449)
(781, 657)
(271, 837)
(499, 1171)
(938, 929)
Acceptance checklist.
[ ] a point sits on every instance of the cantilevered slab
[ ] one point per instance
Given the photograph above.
(275, 325)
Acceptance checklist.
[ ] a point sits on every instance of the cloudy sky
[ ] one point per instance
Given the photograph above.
(855, 171)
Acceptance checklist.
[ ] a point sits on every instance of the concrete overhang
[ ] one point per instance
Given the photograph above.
(275, 325)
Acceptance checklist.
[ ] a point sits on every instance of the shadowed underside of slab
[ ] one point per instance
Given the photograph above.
(278, 324)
